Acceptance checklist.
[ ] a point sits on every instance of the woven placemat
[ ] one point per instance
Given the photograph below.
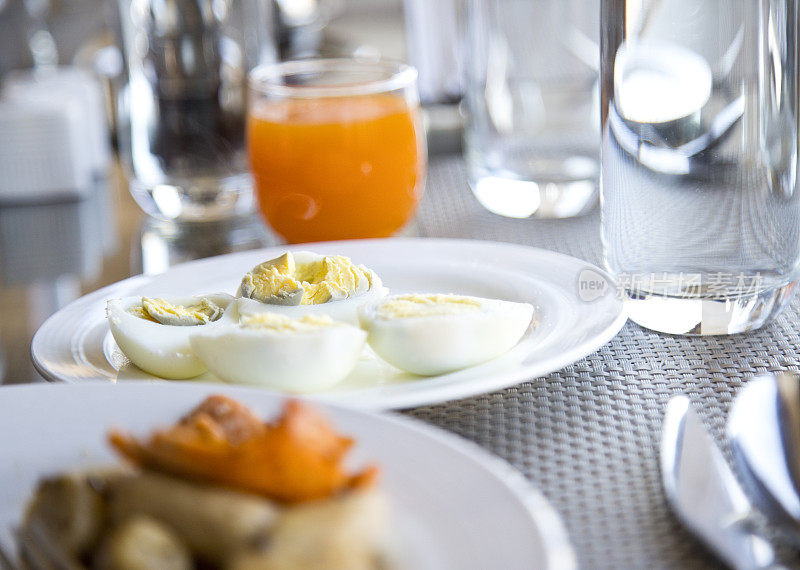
(587, 435)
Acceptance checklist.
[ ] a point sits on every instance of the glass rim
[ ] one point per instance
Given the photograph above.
(267, 78)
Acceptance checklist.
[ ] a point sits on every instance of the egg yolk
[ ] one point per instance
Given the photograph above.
(329, 278)
(139, 311)
(165, 313)
(403, 306)
(271, 279)
(282, 323)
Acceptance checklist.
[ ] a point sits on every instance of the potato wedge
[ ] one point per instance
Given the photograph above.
(344, 533)
(213, 522)
(142, 543)
(70, 510)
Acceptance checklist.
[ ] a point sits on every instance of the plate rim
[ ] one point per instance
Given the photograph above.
(557, 546)
(429, 395)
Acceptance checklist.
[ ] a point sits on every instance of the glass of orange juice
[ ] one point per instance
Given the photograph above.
(336, 147)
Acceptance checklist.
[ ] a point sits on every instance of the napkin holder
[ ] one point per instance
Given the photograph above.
(53, 138)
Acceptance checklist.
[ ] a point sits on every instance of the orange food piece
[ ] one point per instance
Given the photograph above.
(298, 458)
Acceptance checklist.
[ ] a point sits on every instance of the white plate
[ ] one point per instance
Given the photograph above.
(75, 345)
(455, 506)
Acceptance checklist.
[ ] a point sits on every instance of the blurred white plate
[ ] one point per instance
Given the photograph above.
(454, 505)
(75, 345)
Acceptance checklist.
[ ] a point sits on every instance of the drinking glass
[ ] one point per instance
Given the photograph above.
(700, 213)
(532, 97)
(336, 147)
(182, 112)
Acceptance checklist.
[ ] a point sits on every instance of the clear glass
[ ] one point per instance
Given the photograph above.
(336, 147)
(532, 97)
(432, 43)
(162, 244)
(700, 213)
(182, 112)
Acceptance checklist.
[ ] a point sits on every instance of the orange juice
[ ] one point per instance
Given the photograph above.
(338, 167)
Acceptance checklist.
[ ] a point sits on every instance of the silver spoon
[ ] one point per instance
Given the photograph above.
(764, 434)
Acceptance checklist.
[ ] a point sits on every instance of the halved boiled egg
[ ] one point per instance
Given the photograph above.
(303, 354)
(434, 334)
(306, 283)
(153, 332)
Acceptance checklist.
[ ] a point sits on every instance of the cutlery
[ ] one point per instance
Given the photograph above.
(704, 493)
(764, 434)
(6, 558)
(38, 550)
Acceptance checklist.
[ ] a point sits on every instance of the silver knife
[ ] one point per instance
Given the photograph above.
(704, 493)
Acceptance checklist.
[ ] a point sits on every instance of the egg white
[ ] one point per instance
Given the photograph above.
(437, 344)
(162, 350)
(289, 361)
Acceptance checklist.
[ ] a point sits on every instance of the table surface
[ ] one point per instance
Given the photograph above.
(586, 435)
